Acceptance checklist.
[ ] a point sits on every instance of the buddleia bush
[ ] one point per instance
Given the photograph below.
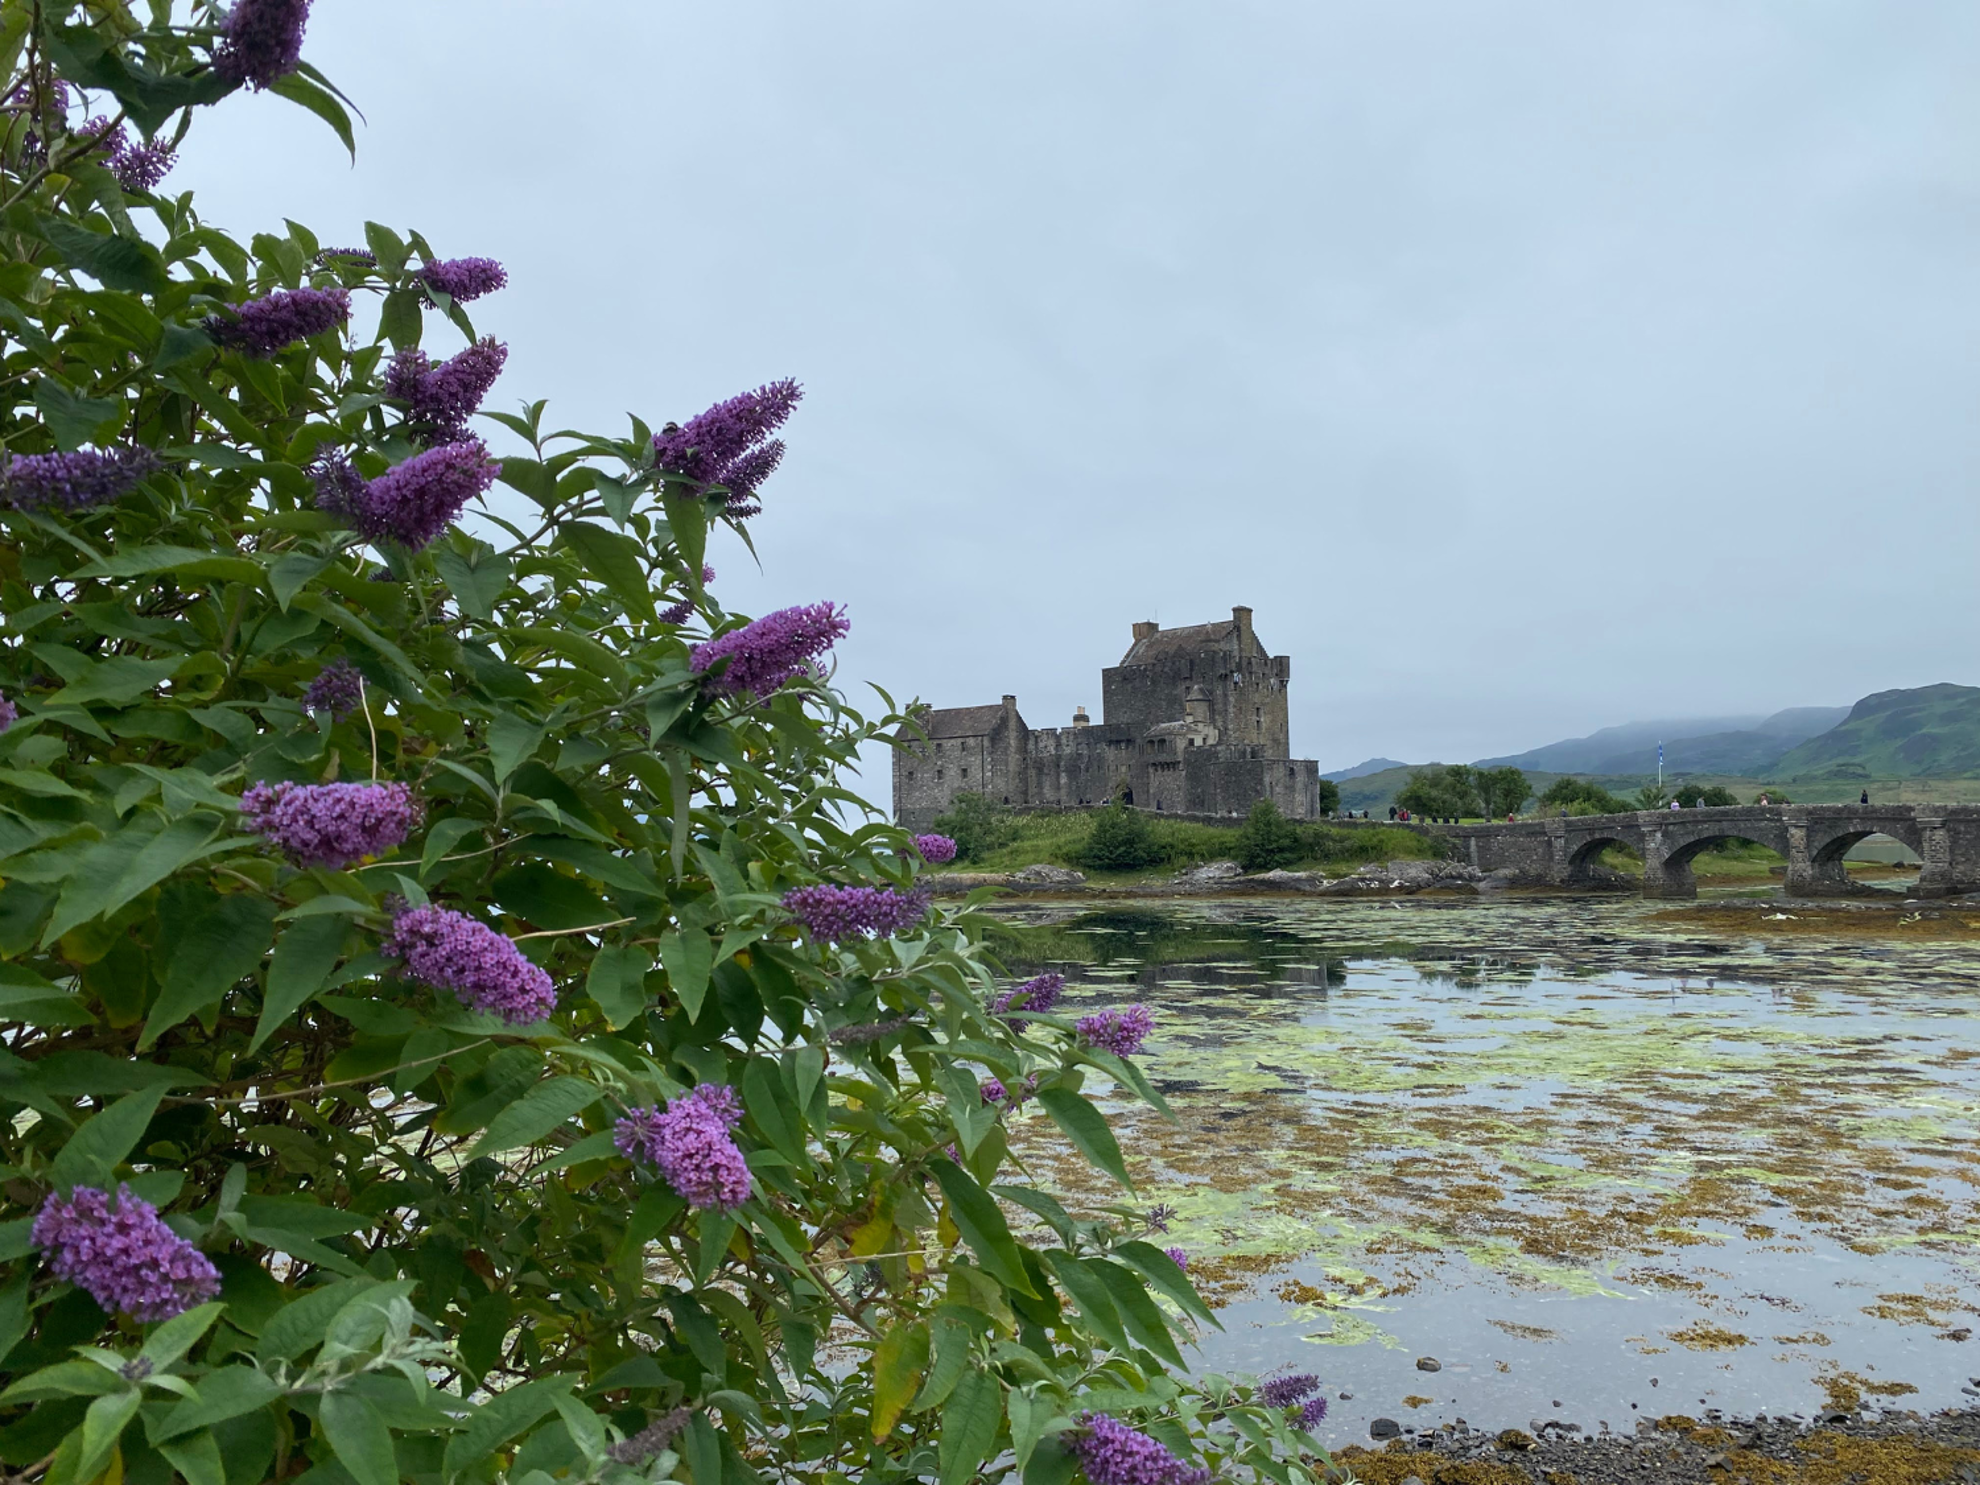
(454, 1025)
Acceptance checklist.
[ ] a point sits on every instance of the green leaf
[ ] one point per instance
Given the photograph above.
(1167, 1275)
(102, 1426)
(982, 1225)
(387, 247)
(299, 1324)
(1087, 1128)
(25, 996)
(1144, 1320)
(547, 898)
(226, 943)
(477, 576)
(698, 1328)
(898, 1362)
(1055, 1216)
(1090, 1293)
(122, 263)
(223, 1394)
(75, 420)
(321, 102)
(702, 1446)
(500, 1419)
(1028, 1419)
(689, 956)
(511, 739)
(292, 570)
(773, 1109)
(550, 1103)
(614, 559)
(358, 1435)
(952, 1358)
(116, 870)
(197, 1458)
(689, 524)
(304, 956)
(14, 1311)
(176, 1336)
(92, 1154)
(617, 981)
(180, 343)
(117, 681)
(969, 1426)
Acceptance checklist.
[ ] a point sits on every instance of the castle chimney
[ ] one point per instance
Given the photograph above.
(1144, 629)
(1010, 705)
(1242, 616)
(1080, 719)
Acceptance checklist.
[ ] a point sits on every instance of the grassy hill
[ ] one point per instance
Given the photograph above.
(1926, 732)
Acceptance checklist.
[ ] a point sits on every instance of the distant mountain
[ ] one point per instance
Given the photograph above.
(1360, 770)
(1926, 732)
(1741, 746)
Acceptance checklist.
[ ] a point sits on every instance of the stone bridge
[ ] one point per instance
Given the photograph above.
(1814, 839)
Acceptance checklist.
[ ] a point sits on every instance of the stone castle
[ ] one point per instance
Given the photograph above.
(1194, 722)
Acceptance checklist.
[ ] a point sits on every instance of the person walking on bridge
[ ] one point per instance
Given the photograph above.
(1866, 797)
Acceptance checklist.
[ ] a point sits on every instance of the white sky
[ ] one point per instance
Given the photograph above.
(1526, 367)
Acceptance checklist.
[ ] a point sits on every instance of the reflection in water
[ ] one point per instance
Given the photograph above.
(1572, 1150)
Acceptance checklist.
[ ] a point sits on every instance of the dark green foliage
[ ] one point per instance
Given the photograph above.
(977, 825)
(1441, 791)
(1329, 799)
(1691, 796)
(1269, 840)
(1121, 840)
(1651, 797)
(1501, 791)
(1580, 797)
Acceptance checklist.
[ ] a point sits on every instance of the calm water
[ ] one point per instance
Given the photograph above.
(1583, 1152)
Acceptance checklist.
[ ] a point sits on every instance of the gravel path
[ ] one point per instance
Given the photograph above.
(1892, 1448)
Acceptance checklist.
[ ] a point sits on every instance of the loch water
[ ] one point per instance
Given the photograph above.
(1601, 1160)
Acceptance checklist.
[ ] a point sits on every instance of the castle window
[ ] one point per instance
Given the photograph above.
(965, 772)
(938, 775)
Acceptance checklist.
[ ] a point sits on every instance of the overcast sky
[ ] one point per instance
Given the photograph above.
(1526, 367)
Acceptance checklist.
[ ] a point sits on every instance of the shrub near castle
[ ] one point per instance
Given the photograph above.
(451, 1031)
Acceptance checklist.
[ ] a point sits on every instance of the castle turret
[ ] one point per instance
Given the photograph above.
(1196, 705)
(1080, 719)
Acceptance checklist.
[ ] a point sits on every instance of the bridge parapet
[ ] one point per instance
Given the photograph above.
(1562, 851)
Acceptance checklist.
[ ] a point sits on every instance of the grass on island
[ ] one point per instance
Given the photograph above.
(1059, 839)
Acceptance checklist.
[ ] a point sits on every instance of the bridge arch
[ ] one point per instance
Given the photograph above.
(1584, 853)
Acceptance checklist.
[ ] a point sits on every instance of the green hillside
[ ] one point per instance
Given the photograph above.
(1928, 732)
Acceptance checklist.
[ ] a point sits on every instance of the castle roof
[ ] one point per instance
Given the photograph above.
(961, 721)
(1223, 634)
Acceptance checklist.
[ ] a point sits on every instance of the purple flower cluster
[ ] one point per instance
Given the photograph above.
(127, 1259)
(9, 714)
(261, 41)
(357, 255)
(693, 1143)
(680, 613)
(440, 399)
(1039, 994)
(330, 825)
(837, 915)
(463, 279)
(338, 689)
(1178, 1257)
(138, 167)
(1312, 1411)
(1111, 1453)
(730, 444)
(263, 326)
(651, 1439)
(1119, 1032)
(451, 951)
(936, 850)
(411, 502)
(1286, 1392)
(993, 1091)
(72, 482)
(768, 652)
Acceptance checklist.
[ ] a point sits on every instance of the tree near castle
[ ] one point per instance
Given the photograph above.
(456, 1027)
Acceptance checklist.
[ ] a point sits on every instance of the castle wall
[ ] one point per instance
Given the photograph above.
(1074, 766)
(1248, 695)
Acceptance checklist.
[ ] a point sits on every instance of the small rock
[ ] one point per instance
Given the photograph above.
(1653, 1381)
(1384, 1428)
(1347, 1397)
(1429, 1364)
(1514, 1438)
(1835, 1417)
(1557, 1402)
(1042, 875)
(1716, 1460)
(1412, 1480)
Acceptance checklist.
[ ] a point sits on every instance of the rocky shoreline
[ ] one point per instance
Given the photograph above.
(1227, 877)
(1888, 1448)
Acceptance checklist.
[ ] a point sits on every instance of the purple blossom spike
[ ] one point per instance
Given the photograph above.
(140, 167)
(354, 255)
(768, 652)
(1119, 1032)
(413, 502)
(1039, 994)
(9, 714)
(1179, 1257)
(73, 482)
(330, 825)
(108, 140)
(651, 1439)
(707, 574)
(1311, 1412)
(451, 951)
(1111, 1453)
(692, 1142)
(837, 915)
(1286, 1392)
(126, 1259)
(440, 399)
(463, 279)
(338, 689)
(677, 613)
(1160, 1216)
(936, 850)
(730, 443)
(261, 41)
(992, 1091)
(263, 326)
(339, 486)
